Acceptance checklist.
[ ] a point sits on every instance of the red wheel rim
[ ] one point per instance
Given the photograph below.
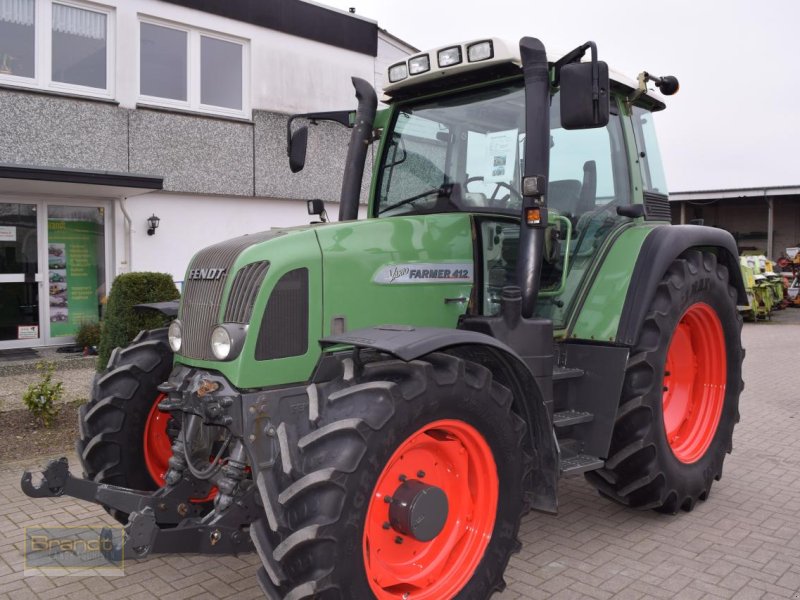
(454, 457)
(157, 445)
(694, 383)
(158, 448)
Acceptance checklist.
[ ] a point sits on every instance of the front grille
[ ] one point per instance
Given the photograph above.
(201, 297)
(284, 328)
(656, 207)
(244, 291)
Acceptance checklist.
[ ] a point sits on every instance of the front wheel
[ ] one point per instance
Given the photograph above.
(407, 482)
(680, 396)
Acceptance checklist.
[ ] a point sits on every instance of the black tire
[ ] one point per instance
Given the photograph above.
(112, 423)
(642, 470)
(317, 495)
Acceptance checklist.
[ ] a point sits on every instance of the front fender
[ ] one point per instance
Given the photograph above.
(531, 394)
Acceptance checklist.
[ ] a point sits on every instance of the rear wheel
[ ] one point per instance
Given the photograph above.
(406, 483)
(681, 392)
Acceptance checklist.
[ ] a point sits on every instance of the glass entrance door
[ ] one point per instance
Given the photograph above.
(20, 279)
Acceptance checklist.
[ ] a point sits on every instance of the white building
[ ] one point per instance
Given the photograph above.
(114, 111)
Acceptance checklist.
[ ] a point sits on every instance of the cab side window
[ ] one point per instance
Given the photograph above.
(588, 167)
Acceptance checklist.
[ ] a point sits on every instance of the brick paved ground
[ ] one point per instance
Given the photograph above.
(743, 543)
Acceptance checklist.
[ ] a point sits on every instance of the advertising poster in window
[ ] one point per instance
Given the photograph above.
(72, 256)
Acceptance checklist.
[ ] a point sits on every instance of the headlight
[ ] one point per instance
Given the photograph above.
(175, 335)
(221, 342)
(227, 340)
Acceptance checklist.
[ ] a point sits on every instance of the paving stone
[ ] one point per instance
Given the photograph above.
(743, 543)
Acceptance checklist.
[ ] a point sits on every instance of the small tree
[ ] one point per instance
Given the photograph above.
(122, 322)
(42, 398)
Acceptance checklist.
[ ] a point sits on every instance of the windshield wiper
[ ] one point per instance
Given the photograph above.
(442, 191)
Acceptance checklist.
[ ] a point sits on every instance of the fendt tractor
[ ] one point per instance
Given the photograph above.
(372, 405)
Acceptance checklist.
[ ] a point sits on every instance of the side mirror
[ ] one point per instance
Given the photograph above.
(297, 149)
(584, 95)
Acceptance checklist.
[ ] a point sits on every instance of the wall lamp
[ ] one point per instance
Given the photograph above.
(152, 224)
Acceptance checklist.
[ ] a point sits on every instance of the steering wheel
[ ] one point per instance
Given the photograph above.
(494, 201)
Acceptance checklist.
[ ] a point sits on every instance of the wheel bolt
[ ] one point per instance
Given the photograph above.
(666, 389)
(398, 540)
(420, 474)
(386, 525)
(402, 478)
(387, 499)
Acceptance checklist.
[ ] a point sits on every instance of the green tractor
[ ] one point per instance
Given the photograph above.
(372, 405)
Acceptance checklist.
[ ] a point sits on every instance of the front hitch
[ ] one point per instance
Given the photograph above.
(221, 531)
(168, 504)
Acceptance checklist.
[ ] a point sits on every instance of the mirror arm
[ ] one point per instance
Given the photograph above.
(575, 56)
(343, 117)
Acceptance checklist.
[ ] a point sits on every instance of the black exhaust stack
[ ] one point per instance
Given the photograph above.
(360, 139)
(537, 162)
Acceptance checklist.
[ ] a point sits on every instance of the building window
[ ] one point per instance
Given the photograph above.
(17, 38)
(80, 46)
(164, 62)
(185, 68)
(63, 46)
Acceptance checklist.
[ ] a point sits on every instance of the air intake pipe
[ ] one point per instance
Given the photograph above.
(360, 139)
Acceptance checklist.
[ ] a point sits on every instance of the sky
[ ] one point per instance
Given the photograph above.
(735, 121)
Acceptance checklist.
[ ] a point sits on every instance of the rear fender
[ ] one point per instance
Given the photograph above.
(531, 394)
(659, 250)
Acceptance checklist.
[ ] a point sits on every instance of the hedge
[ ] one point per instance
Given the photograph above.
(122, 323)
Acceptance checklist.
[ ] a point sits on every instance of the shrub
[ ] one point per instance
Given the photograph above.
(122, 322)
(88, 334)
(42, 398)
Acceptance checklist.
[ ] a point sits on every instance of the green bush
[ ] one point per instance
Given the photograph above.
(122, 322)
(88, 334)
(42, 398)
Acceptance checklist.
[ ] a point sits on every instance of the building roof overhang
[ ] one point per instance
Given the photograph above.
(735, 193)
(50, 181)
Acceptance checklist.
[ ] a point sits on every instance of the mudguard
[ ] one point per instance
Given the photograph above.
(659, 249)
(531, 393)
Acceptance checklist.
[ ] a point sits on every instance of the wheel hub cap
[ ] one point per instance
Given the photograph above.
(418, 510)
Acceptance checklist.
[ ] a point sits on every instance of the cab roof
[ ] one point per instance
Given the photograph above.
(505, 55)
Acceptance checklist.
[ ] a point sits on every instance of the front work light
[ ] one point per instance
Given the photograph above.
(449, 56)
(398, 72)
(419, 64)
(480, 51)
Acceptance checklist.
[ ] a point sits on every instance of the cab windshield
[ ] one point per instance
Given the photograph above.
(464, 153)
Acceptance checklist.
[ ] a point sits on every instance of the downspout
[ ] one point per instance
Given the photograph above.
(128, 227)
(360, 140)
(770, 224)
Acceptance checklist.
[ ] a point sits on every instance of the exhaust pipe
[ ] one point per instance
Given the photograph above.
(537, 162)
(360, 139)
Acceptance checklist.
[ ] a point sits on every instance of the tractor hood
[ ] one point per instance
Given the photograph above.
(267, 290)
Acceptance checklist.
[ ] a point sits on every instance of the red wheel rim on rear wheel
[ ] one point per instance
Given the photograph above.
(694, 383)
(454, 457)
(158, 448)
(157, 445)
